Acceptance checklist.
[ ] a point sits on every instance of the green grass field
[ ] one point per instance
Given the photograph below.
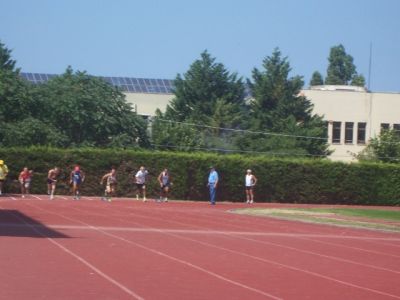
(362, 212)
(376, 219)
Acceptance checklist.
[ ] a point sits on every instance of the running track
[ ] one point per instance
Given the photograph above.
(64, 249)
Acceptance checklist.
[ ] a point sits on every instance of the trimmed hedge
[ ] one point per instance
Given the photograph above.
(279, 180)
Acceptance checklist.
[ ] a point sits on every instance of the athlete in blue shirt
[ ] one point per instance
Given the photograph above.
(76, 179)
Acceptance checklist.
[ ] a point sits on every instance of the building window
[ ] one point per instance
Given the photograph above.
(385, 126)
(336, 132)
(396, 129)
(361, 133)
(348, 134)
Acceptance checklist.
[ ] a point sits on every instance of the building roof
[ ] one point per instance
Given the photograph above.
(126, 84)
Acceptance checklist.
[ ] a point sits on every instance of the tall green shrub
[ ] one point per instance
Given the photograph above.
(279, 180)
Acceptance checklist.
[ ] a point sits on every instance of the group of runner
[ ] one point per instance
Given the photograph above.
(77, 177)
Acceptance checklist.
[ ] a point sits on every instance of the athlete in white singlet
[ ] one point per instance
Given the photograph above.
(250, 182)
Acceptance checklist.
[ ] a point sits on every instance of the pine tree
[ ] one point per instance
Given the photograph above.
(316, 79)
(278, 107)
(206, 94)
(341, 68)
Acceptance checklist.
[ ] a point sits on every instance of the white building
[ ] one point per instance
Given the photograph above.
(353, 114)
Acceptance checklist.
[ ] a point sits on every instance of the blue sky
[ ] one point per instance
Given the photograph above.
(158, 39)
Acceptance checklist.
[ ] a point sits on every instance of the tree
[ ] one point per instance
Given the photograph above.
(31, 131)
(90, 112)
(169, 135)
(206, 94)
(384, 148)
(341, 68)
(358, 80)
(316, 79)
(6, 63)
(15, 98)
(278, 108)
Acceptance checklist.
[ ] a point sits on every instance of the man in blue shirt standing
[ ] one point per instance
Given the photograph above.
(212, 184)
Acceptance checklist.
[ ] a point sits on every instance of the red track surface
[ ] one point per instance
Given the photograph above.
(64, 249)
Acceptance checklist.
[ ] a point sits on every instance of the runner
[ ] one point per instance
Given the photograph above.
(25, 178)
(165, 183)
(52, 181)
(111, 182)
(76, 178)
(3, 175)
(140, 179)
(250, 182)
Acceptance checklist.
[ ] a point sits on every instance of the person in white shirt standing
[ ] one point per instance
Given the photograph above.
(140, 178)
(250, 182)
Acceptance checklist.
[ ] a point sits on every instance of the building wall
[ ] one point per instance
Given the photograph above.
(358, 107)
(147, 104)
(334, 105)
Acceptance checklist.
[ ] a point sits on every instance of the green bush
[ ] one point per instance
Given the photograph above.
(279, 180)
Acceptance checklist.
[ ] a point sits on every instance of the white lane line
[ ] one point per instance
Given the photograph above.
(196, 267)
(256, 258)
(37, 197)
(205, 232)
(279, 264)
(322, 255)
(301, 235)
(102, 274)
(82, 260)
(348, 247)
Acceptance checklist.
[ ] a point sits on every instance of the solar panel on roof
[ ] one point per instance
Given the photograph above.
(24, 76)
(132, 85)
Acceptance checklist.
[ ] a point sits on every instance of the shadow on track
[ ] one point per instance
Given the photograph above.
(15, 224)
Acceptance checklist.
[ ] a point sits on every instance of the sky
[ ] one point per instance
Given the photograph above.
(159, 39)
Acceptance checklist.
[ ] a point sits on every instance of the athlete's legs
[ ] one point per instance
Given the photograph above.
(27, 187)
(166, 191)
(144, 192)
(251, 195)
(22, 188)
(52, 190)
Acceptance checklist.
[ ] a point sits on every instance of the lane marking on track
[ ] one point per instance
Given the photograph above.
(282, 265)
(249, 256)
(82, 260)
(202, 232)
(348, 247)
(172, 258)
